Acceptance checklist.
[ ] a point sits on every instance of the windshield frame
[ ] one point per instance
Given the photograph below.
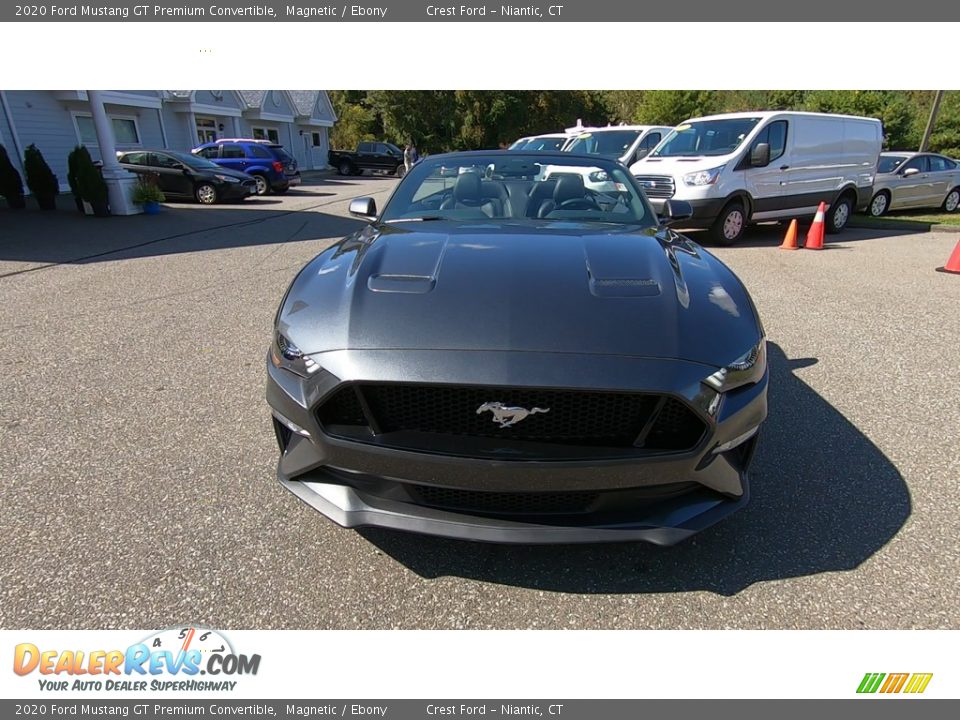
(757, 121)
(396, 209)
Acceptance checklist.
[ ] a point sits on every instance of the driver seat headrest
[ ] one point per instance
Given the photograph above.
(569, 187)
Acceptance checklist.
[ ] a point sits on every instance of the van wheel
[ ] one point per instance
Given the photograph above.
(880, 203)
(839, 214)
(952, 201)
(730, 225)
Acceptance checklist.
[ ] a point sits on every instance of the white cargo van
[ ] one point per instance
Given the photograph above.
(626, 143)
(748, 167)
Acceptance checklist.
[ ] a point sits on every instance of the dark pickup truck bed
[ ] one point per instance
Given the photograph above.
(384, 157)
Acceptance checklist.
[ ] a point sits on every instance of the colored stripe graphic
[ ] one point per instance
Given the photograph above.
(894, 682)
(918, 682)
(870, 682)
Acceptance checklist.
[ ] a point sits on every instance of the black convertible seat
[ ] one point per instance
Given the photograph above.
(567, 188)
(471, 192)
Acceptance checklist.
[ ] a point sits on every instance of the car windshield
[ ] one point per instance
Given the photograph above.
(606, 143)
(549, 144)
(889, 163)
(518, 187)
(520, 144)
(195, 161)
(706, 138)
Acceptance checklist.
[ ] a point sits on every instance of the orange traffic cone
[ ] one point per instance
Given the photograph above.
(815, 234)
(953, 264)
(790, 239)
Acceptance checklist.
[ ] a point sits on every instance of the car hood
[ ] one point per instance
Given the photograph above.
(544, 287)
(678, 166)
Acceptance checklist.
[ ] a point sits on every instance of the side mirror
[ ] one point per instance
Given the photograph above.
(674, 211)
(760, 155)
(184, 169)
(911, 171)
(364, 207)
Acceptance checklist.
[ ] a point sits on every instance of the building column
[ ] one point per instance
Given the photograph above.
(120, 183)
(236, 127)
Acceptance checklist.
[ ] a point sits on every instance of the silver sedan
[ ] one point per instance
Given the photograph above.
(915, 180)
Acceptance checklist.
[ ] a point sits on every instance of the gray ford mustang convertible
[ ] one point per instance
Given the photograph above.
(506, 354)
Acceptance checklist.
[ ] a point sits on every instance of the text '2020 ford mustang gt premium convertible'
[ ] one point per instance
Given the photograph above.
(504, 354)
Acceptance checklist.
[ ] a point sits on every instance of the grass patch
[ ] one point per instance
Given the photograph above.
(906, 217)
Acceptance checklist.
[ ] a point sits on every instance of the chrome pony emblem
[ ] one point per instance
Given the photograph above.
(506, 415)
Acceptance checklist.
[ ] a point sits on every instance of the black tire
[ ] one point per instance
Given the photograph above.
(879, 204)
(263, 185)
(345, 167)
(730, 224)
(206, 194)
(838, 214)
(951, 203)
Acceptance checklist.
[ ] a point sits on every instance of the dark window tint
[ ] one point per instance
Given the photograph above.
(259, 151)
(232, 152)
(941, 164)
(774, 134)
(365, 147)
(134, 158)
(917, 163)
(650, 141)
(889, 163)
(209, 152)
(164, 161)
(280, 154)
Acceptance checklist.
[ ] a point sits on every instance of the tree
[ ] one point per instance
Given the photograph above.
(670, 107)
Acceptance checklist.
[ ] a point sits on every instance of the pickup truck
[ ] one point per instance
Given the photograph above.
(381, 156)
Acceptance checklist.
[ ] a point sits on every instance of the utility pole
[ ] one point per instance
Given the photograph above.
(925, 143)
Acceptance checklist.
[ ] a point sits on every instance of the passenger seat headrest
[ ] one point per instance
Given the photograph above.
(569, 187)
(467, 187)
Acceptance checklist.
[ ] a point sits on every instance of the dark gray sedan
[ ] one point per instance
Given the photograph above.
(505, 354)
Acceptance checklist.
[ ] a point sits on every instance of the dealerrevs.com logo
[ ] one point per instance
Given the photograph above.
(172, 659)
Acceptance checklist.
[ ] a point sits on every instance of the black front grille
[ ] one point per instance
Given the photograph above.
(504, 503)
(657, 186)
(409, 415)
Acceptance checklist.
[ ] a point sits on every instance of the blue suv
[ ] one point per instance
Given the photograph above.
(274, 169)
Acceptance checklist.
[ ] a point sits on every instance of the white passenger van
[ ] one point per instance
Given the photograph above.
(746, 167)
(626, 143)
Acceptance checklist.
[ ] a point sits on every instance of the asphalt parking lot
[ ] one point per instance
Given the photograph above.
(138, 460)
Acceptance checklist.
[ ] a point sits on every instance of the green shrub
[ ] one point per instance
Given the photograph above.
(90, 183)
(147, 191)
(40, 178)
(11, 186)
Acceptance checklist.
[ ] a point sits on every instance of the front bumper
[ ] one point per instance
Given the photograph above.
(661, 499)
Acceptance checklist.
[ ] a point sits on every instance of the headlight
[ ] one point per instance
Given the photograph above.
(288, 356)
(746, 369)
(226, 178)
(703, 177)
(598, 176)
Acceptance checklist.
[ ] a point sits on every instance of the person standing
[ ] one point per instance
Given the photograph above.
(408, 156)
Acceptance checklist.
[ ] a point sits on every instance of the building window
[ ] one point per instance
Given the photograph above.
(271, 134)
(206, 130)
(125, 130)
(316, 139)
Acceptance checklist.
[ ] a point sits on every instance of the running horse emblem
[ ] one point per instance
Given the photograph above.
(507, 415)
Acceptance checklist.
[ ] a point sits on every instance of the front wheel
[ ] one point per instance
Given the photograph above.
(263, 186)
(879, 204)
(839, 214)
(952, 201)
(344, 168)
(206, 194)
(730, 225)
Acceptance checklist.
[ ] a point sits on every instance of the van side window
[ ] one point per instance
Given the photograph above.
(775, 135)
